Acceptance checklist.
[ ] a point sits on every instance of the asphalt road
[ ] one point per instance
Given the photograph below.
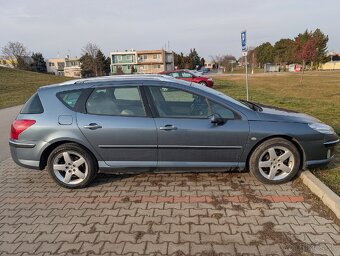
(7, 115)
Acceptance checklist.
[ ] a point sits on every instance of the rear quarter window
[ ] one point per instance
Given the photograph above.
(69, 98)
(33, 105)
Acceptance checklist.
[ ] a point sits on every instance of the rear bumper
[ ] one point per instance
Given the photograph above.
(26, 153)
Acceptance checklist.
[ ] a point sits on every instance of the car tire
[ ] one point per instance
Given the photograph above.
(203, 83)
(275, 161)
(72, 166)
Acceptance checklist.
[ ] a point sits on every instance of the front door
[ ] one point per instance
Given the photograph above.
(186, 136)
(117, 126)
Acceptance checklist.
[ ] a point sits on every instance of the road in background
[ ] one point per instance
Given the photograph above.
(7, 115)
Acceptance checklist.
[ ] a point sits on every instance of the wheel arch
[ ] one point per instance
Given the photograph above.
(47, 151)
(286, 137)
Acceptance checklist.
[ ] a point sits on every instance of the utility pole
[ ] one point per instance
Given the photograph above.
(245, 53)
(246, 63)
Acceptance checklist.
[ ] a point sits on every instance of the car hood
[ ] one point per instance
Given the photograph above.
(270, 113)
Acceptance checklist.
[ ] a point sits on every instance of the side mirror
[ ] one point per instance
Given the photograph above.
(216, 119)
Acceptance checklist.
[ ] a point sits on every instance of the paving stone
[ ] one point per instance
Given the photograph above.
(8, 237)
(85, 237)
(246, 249)
(69, 248)
(202, 249)
(27, 247)
(320, 239)
(50, 248)
(91, 248)
(209, 238)
(169, 237)
(272, 249)
(232, 238)
(178, 248)
(224, 249)
(135, 248)
(66, 237)
(9, 247)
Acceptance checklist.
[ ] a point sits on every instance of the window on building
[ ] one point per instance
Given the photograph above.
(145, 57)
(119, 58)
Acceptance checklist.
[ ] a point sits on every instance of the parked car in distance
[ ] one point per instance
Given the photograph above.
(196, 72)
(115, 124)
(204, 70)
(187, 75)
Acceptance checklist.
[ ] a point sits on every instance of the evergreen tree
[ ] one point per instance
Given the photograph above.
(100, 63)
(87, 65)
(107, 66)
(284, 51)
(265, 53)
(38, 64)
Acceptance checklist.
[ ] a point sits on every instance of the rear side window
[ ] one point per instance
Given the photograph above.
(33, 106)
(121, 101)
(69, 98)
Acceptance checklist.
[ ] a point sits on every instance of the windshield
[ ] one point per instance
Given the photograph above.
(222, 95)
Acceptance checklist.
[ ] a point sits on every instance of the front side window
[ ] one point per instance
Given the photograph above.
(172, 102)
(224, 112)
(115, 101)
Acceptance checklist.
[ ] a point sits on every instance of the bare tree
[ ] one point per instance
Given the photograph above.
(91, 49)
(15, 51)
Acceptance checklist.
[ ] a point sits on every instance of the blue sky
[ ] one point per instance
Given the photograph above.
(212, 27)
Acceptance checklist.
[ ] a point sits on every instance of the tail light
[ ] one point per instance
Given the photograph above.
(18, 126)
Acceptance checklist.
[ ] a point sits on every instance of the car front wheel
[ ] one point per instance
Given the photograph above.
(275, 161)
(71, 166)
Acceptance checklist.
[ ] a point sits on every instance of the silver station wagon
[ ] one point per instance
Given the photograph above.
(123, 124)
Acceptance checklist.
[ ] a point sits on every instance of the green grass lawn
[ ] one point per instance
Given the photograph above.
(16, 86)
(319, 96)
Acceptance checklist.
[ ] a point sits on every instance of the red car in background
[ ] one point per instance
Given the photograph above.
(187, 75)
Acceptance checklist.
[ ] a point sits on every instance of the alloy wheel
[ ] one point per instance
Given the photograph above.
(70, 167)
(276, 163)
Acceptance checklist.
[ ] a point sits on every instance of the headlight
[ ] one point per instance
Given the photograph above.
(322, 128)
(209, 79)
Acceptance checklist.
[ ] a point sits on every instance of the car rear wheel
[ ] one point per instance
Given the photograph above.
(275, 161)
(71, 166)
(203, 83)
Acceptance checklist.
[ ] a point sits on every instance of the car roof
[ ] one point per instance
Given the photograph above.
(175, 70)
(88, 82)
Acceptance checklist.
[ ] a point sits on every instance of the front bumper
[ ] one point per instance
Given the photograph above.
(324, 151)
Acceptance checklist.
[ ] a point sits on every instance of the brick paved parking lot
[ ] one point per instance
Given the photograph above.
(161, 214)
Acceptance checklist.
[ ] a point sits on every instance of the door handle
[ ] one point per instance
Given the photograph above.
(92, 126)
(168, 127)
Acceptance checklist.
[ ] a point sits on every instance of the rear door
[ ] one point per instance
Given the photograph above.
(119, 126)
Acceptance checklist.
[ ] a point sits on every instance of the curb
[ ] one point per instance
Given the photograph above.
(327, 196)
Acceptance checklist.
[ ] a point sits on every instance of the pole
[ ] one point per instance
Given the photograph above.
(247, 88)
